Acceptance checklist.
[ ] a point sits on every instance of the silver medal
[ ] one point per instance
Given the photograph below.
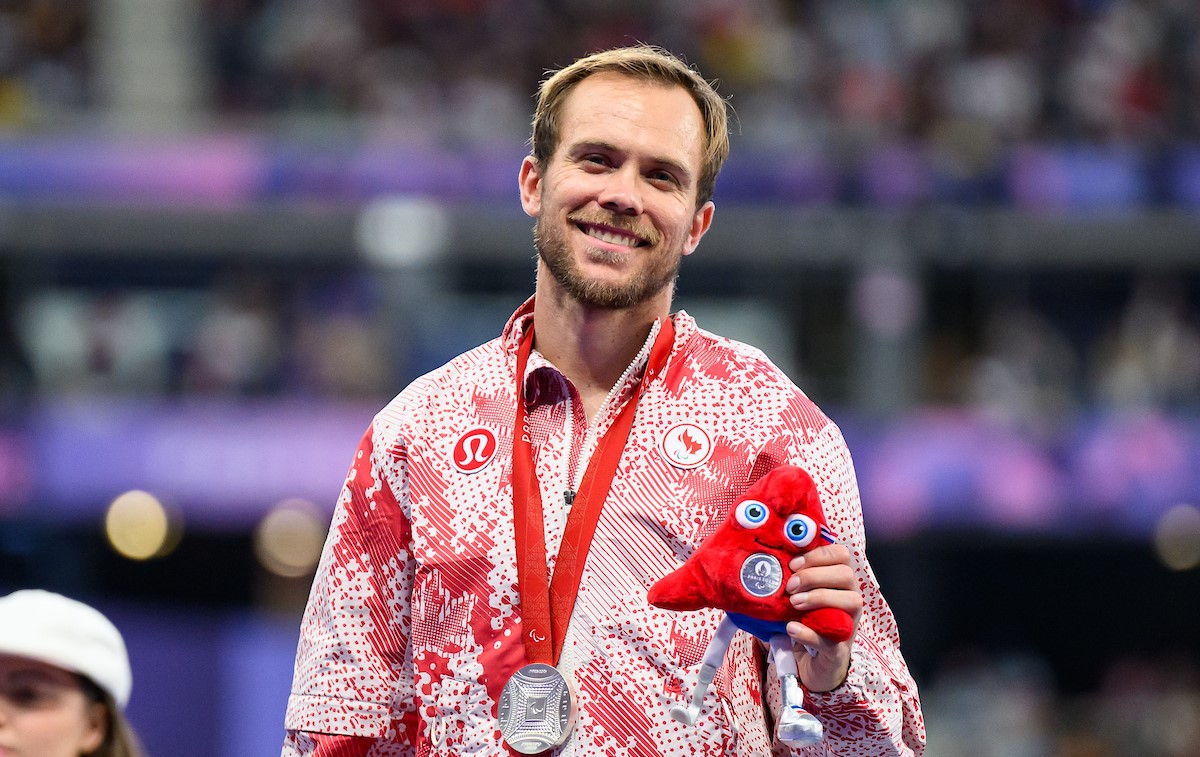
(762, 575)
(537, 709)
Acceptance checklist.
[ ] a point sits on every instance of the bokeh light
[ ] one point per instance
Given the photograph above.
(1177, 537)
(289, 538)
(140, 527)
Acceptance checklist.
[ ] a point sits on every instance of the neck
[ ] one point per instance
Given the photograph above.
(591, 346)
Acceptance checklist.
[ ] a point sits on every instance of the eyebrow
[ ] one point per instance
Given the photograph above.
(30, 679)
(31, 673)
(36, 671)
(670, 163)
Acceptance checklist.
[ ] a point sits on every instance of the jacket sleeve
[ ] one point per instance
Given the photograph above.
(876, 712)
(353, 680)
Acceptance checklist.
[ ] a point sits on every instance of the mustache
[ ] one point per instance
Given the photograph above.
(615, 221)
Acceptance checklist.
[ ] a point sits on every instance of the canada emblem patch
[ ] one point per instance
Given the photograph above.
(686, 446)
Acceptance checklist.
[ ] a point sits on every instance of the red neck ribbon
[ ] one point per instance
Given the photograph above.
(546, 606)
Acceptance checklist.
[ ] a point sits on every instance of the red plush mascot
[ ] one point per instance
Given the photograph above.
(741, 569)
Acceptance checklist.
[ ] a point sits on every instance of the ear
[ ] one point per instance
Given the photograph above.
(95, 728)
(700, 223)
(530, 180)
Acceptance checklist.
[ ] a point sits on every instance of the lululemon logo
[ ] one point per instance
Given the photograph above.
(474, 450)
(686, 446)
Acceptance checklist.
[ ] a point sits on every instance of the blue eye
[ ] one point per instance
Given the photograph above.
(751, 513)
(800, 530)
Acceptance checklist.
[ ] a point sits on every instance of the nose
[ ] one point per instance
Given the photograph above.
(621, 193)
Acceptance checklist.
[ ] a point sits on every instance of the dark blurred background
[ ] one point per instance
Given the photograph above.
(231, 230)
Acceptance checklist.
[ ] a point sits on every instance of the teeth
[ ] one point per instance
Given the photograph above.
(611, 237)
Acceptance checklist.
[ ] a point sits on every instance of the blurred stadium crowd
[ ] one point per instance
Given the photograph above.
(967, 84)
(966, 74)
(255, 335)
(973, 88)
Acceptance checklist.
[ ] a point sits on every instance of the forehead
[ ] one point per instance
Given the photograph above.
(634, 114)
(12, 665)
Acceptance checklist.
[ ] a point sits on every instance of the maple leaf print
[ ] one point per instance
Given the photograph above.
(689, 443)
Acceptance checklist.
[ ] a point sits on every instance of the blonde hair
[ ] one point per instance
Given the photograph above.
(649, 63)
(121, 740)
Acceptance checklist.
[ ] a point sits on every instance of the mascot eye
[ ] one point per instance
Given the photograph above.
(751, 513)
(800, 530)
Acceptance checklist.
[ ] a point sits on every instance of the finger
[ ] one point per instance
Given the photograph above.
(804, 637)
(829, 554)
(807, 641)
(832, 577)
(832, 554)
(822, 576)
(838, 599)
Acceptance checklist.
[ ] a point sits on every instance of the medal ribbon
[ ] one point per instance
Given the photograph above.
(546, 605)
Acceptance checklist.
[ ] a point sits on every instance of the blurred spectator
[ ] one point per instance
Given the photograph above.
(1150, 707)
(338, 346)
(65, 679)
(85, 342)
(1151, 356)
(238, 346)
(44, 60)
(990, 707)
(1026, 376)
(1116, 77)
(16, 374)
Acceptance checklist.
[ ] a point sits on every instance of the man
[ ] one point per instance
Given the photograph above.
(483, 587)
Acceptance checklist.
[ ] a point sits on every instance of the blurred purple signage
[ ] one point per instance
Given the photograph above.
(1114, 474)
(220, 463)
(235, 169)
(227, 463)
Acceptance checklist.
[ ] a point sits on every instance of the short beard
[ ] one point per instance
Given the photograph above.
(553, 252)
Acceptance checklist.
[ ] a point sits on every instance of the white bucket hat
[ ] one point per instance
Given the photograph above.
(63, 632)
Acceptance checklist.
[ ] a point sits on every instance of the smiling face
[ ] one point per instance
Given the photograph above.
(616, 203)
(44, 712)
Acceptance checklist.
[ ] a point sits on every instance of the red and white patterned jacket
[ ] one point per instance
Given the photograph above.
(413, 624)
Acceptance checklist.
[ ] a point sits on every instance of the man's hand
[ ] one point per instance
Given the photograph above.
(823, 578)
